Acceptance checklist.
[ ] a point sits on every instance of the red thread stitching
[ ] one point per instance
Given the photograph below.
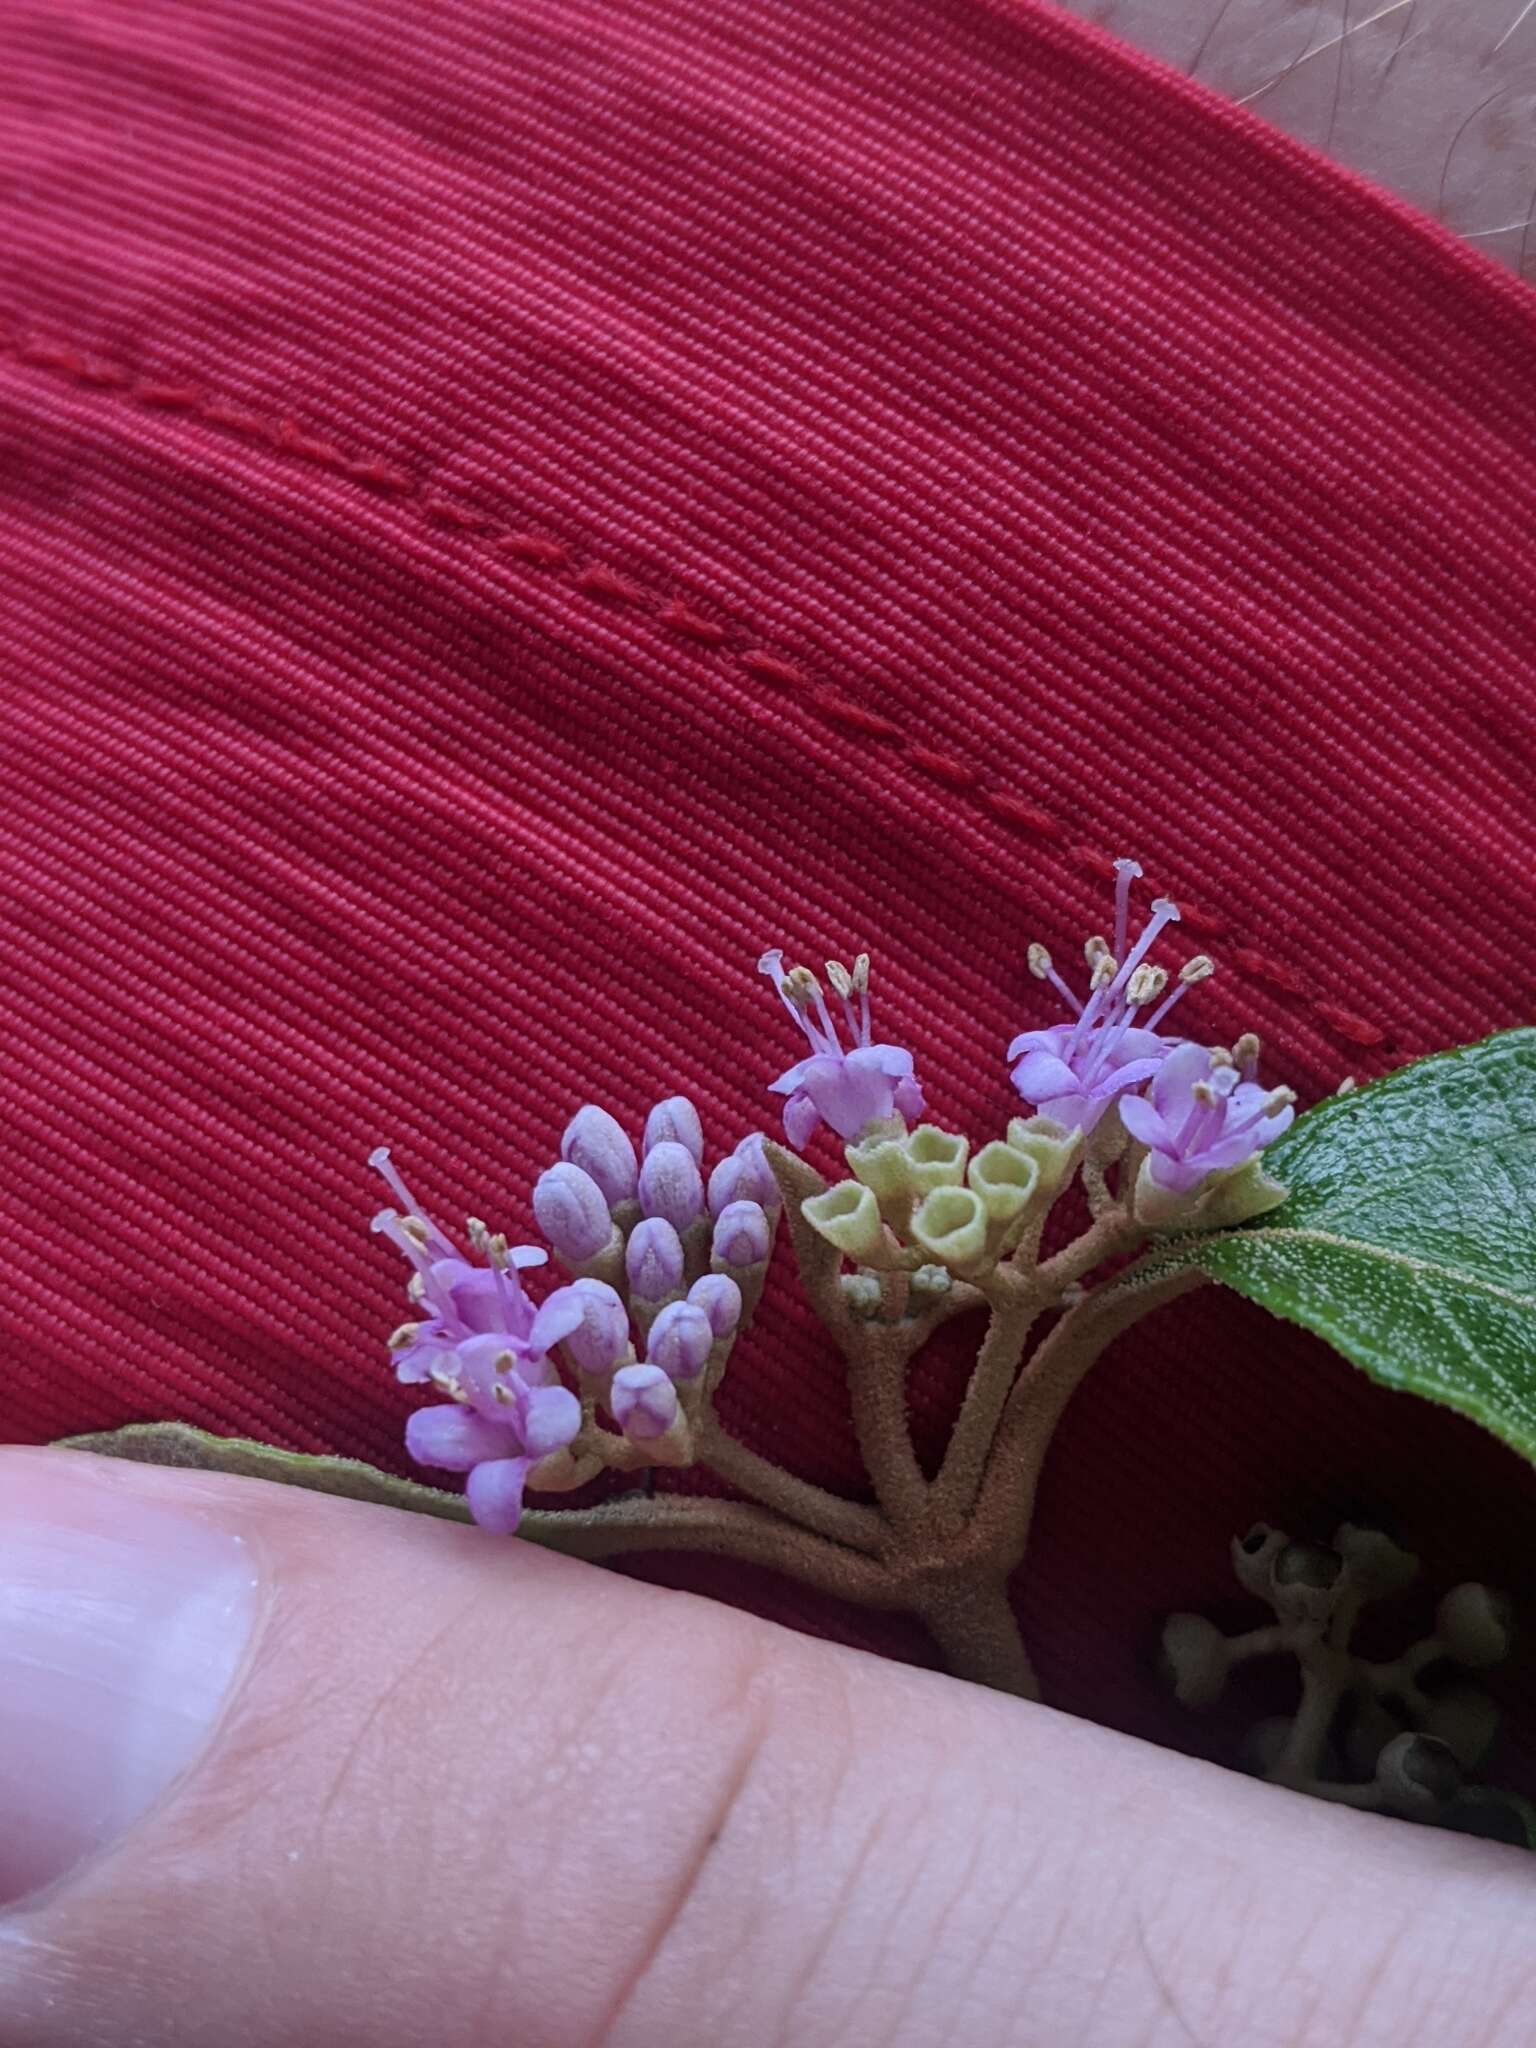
(596, 579)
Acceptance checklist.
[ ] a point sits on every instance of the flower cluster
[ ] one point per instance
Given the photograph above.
(1399, 1735)
(1198, 1111)
(1188, 1122)
(666, 1271)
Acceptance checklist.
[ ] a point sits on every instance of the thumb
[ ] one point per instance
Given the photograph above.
(282, 1769)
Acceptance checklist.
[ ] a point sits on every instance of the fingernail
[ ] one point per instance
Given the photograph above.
(123, 1621)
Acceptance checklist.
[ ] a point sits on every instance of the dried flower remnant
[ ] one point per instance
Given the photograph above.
(1401, 1735)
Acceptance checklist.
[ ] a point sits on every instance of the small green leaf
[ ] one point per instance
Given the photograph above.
(175, 1443)
(1408, 1235)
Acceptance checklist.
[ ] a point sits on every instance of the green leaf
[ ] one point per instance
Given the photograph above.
(1408, 1235)
(175, 1443)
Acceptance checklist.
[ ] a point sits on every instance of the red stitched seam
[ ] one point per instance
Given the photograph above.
(710, 636)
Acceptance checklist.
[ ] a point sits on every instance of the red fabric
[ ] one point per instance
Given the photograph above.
(506, 509)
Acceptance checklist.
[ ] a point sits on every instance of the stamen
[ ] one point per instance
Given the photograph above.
(1126, 872)
(861, 974)
(1201, 968)
(1039, 962)
(384, 1166)
(1095, 948)
(840, 978)
(1164, 913)
(1145, 986)
(479, 1237)
(405, 1334)
(1105, 972)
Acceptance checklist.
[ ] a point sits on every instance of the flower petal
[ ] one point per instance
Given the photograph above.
(452, 1439)
(801, 1119)
(557, 1317)
(1144, 1123)
(551, 1418)
(495, 1494)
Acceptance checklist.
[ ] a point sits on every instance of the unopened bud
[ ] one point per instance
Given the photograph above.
(670, 1185)
(653, 1260)
(1418, 1774)
(1195, 1659)
(680, 1341)
(861, 1292)
(675, 1122)
(601, 1338)
(600, 1146)
(643, 1402)
(571, 1212)
(720, 1298)
(743, 1235)
(744, 1176)
(1476, 1625)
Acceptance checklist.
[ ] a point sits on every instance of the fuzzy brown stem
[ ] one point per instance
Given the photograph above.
(992, 1377)
(1006, 1503)
(876, 1354)
(972, 1622)
(749, 1535)
(812, 1507)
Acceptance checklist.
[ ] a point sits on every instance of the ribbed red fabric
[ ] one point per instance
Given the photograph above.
(506, 509)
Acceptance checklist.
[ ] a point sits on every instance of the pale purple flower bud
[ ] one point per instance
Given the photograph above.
(643, 1401)
(743, 1235)
(757, 1182)
(680, 1341)
(670, 1184)
(601, 1338)
(653, 1259)
(744, 1176)
(675, 1122)
(571, 1212)
(720, 1298)
(600, 1146)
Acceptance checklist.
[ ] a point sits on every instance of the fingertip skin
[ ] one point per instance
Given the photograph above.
(461, 1778)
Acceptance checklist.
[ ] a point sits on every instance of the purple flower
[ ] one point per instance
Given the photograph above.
(863, 1090)
(1201, 1117)
(460, 1300)
(485, 1344)
(1073, 1072)
(496, 1430)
